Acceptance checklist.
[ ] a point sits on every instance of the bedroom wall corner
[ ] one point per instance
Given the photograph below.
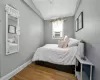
(32, 36)
(91, 32)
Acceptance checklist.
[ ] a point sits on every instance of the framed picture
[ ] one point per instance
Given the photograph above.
(11, 29)
(80, 21)
(76, 25)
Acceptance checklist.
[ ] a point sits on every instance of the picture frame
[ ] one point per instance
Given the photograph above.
(11, 29)
(80, 21)
(76, 27)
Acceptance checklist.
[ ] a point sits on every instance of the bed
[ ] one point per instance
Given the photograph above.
(52, 56)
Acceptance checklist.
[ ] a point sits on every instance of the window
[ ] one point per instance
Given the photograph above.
(57, 29)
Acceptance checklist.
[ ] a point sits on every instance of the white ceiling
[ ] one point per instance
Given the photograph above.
(51, 9)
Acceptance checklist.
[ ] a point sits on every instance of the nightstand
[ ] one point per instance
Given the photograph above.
(83, 69)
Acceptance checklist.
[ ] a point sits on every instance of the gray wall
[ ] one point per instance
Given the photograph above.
(91, 32)
(0, 36)
(32, 36)
(68, 30)
(0, 46)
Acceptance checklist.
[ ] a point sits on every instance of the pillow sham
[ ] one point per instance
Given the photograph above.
(81, 49)
(73, 42)
(66, 37)
(60, 43)
(66, 41)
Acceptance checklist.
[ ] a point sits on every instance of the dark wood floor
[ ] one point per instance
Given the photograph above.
(36, 72)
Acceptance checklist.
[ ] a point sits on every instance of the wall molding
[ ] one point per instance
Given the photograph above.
(14, 72)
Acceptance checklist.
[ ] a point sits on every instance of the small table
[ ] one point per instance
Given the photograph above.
(86, 62)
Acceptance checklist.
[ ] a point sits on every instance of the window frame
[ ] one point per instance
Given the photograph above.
(62, 32)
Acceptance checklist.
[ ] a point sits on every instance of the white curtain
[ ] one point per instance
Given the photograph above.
(57, 26)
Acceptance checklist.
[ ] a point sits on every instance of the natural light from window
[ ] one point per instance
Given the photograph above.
(57, 29)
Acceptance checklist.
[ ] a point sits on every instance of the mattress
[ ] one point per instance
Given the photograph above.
(53, 54)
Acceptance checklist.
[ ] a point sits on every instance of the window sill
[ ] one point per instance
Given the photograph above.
(57, 38)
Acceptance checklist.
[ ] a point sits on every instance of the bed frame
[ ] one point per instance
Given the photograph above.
(64, 68)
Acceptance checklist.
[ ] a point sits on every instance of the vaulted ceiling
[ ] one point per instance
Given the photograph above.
(51, 9)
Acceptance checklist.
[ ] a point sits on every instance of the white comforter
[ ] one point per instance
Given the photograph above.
(53, 54)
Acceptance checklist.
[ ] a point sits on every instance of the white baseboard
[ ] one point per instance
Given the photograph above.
(11, 74)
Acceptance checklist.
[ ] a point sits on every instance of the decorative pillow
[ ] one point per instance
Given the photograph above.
(65, 37)
(60, 43)
(73, 42)
(66, 41)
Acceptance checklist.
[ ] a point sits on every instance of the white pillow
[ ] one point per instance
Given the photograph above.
(66, 41)
(81, 49)
(73, 42)
(65, 37)
(60, 43)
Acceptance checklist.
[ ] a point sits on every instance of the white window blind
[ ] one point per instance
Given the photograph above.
(57, 29)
